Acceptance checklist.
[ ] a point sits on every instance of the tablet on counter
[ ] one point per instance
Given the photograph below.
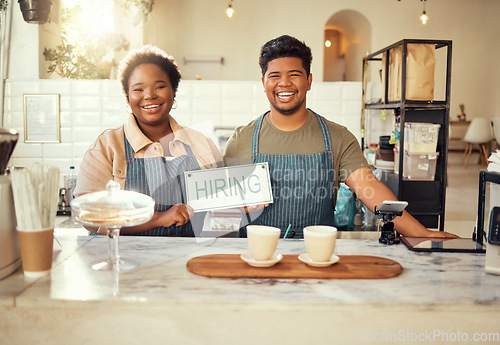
(457, 245)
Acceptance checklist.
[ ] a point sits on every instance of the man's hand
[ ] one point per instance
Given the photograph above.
(252, 208)
(440, 234)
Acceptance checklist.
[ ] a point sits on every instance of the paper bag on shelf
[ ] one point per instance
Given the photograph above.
(382, 75)
(421, 66)
(395, 72)
(420, 70)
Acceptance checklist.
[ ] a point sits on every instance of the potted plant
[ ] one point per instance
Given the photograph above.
(85, 60)
(35, 11)
(144, 8)
(79, 55)
(3, 5)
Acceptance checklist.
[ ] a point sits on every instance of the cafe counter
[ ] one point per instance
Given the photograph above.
(437, 296)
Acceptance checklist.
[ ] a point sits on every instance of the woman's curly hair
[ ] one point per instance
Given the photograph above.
(148, 54)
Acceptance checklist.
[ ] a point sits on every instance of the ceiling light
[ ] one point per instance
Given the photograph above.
(229, 10)
(328, 43)
(424, 18)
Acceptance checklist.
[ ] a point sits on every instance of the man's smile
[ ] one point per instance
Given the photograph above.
(285, 96)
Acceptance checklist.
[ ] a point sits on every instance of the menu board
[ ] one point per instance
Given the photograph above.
(42, 119)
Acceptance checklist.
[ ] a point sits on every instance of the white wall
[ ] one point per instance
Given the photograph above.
(90, 106)
(86, 108)
(199, 27)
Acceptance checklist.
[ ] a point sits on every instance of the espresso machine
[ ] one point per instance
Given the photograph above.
(10, 257)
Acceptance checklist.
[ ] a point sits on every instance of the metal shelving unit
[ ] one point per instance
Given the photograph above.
(426, 199)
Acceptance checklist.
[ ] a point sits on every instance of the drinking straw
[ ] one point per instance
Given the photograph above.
(25, 200)
(286, 232)
(35, 196)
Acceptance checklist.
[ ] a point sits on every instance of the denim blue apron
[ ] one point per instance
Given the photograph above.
(302, 185)
(163, 180)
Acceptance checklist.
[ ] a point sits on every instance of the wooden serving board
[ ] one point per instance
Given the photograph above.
(348, 267)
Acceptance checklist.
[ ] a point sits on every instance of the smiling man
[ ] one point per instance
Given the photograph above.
(308, 155)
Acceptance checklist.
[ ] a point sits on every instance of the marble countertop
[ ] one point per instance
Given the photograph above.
(428, 279)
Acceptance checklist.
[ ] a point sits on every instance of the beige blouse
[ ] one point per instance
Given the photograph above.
(105, 160)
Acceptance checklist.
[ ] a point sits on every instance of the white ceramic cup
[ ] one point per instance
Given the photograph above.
(320, 242)
(262, 241)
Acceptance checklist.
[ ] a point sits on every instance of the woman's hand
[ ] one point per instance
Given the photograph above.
(178, 214)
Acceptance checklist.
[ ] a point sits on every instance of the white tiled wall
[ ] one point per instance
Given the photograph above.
(90, 106)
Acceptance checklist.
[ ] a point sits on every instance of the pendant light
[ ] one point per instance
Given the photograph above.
(229, 10)
(424, 18)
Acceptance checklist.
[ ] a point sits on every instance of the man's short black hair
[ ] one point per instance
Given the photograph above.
(285, 46)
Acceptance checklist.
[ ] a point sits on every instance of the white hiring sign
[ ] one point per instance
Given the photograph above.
(236, 186)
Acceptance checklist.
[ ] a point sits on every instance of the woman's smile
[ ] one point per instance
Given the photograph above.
(152, 108)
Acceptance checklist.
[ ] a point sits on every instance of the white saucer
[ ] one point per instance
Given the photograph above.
(304, 257)
(267, 263)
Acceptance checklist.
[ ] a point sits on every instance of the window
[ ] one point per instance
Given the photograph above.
(94, 35)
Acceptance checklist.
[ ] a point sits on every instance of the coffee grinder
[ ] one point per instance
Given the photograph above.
(10, 257)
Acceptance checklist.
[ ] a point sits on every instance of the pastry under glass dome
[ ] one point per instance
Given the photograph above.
(113, 209)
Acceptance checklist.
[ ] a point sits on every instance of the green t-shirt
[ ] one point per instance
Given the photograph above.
(347, 154)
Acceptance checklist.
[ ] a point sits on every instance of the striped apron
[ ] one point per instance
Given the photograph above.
(302, 185)
(163, 180)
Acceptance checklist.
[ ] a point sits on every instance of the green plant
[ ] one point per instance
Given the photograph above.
(3, 5)
(88, 57)
(84, 61)
(69, 63)
(144, 7)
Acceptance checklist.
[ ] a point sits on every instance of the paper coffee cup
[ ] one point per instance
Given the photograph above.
(320, 242)
(36, 251)
(262, 241)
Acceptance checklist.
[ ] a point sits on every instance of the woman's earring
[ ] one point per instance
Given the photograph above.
(174, 105)
(129, 109)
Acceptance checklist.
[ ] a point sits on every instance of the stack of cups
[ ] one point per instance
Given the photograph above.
(35, 192)
(36, 251)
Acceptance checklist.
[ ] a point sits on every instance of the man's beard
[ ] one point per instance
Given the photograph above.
(290, 111)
